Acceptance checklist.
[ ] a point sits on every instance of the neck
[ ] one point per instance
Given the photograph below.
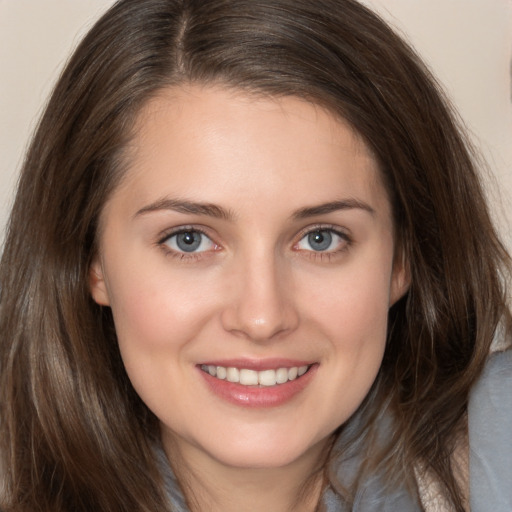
(212, 486)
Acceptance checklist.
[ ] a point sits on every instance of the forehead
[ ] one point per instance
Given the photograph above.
(195, 139)
(191, 106)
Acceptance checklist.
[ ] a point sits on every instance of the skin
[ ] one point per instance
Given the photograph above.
(255, 289)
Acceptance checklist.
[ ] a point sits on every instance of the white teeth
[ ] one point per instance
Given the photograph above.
(282, 375)
(293, 372)
(248, 377)
(233, 375)
(267, 378)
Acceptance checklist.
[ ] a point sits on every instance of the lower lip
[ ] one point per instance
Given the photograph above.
(255, 396)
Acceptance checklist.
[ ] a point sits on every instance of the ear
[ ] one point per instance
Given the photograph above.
(400, 280)
(97, 284)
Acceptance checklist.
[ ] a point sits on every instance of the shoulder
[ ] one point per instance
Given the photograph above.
(490, 428)
(483, 460)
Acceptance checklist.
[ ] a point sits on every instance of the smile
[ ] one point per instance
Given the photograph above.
(246, 377)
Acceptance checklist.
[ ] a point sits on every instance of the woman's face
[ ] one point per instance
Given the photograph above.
(247, 257)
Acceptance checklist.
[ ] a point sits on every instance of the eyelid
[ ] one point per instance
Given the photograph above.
(165, 235)
(337, 230)
(324, 227)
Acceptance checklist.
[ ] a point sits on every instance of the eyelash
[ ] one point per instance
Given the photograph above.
(325, 256)
(191, 256)
(320, 256)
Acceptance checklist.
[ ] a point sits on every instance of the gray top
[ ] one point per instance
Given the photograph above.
(490, 443)
(490, 428)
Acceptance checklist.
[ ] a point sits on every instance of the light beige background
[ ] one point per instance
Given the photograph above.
(467, 43)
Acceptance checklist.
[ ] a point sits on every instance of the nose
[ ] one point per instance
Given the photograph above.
(261, 304)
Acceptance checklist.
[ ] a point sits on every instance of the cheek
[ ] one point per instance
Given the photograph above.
(353, 305)
(158, 313)
(156, 319)
(356, 326)
(351, 313)
(155, 308)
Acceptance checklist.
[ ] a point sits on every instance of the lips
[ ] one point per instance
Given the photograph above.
(257, 384)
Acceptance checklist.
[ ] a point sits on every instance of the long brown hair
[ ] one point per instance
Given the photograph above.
(74, 436)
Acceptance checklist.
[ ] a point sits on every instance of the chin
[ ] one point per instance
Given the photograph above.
(265, 455)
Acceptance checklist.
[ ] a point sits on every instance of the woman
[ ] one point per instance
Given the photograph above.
(249, 267)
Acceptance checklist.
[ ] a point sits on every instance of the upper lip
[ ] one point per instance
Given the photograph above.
(256, 364)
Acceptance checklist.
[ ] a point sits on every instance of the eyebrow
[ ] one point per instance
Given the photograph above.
(215, 211)
(184, 206)
(333, 206)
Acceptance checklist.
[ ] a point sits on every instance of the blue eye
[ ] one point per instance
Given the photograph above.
(322, 240)
(189, 241)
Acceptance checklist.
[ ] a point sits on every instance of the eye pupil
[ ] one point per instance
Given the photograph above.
(320, 240)
(188, 241)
